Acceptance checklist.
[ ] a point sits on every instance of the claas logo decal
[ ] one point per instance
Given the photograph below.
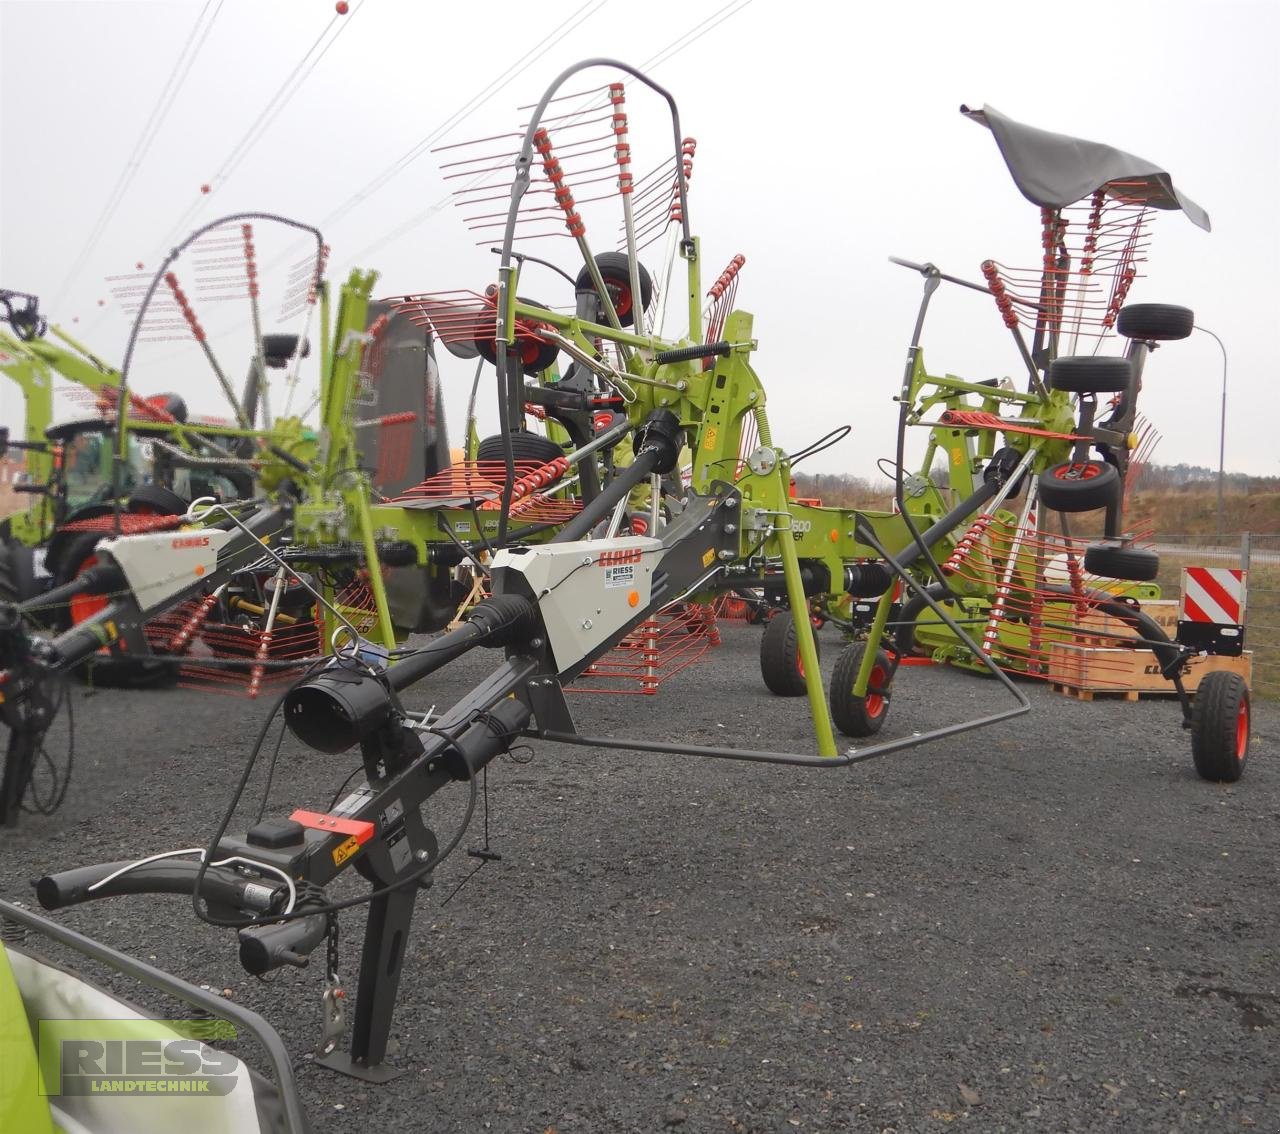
(190, 541)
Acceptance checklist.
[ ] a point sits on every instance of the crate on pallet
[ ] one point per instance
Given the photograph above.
(1084, 671)
(1096, 627)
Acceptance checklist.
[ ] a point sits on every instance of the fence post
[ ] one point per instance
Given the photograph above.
(1244, 550)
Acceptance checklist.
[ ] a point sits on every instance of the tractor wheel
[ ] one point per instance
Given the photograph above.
(615, 270)
(1220, 721)
(780, 663)
(525, 446)
(17, 572)
(1133, 564)
(1155, 322)
(152, 500)
(111, 666)
(851, 714)
(1079, 486)
(1090, 374)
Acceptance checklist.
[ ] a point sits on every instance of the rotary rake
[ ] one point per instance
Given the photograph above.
(560, 598)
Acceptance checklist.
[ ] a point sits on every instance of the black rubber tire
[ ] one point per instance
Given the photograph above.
(780, 664)
(1090, 374)
(114, 669)
(1098, 486)
(1156, 322)
(853, 715)
(525, 446)
(615, 270)
(1132, 564)
(17, 572)
(535, 355)
(1220, 721)
(155, 500)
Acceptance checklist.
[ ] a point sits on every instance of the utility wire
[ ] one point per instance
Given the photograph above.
(668, 52)
(461, 115)
(159, 112)
(284, 94)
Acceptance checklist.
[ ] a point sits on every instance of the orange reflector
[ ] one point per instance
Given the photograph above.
(835, 536)
(358, 829)
(633, 598)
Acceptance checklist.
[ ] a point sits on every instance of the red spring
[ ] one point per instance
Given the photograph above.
(321, 262)
(1000, 293)
(967, 543)
(255, 675)
(180, 297)
(250, 264)
(179, 642)
(717, 289)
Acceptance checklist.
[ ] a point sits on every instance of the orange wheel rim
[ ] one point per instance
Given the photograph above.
(876, 701)
(1242, 732)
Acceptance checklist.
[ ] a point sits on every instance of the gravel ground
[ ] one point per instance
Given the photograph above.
(1049, 924)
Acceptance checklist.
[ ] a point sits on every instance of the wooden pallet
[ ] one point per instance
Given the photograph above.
(1086, 672)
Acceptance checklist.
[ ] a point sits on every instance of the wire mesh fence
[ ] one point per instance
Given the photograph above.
(1259, 554)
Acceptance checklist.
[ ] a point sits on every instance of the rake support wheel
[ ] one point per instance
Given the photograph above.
(1156, 322)
(1132, 564)
(853, 715)
(1079, 486)
(1220, 720)
(1090, 374)
(780, 663)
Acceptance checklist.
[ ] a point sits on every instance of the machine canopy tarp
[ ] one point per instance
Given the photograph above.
(1055, 170)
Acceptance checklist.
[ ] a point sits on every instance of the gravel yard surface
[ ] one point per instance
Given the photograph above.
(1050, 924)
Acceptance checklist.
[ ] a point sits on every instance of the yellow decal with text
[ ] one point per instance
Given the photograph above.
(710, 557)
(713, 437)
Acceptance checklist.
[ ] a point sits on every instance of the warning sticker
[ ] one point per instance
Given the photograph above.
(344, 851)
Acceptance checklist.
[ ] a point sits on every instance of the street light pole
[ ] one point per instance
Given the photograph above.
(1222, 426)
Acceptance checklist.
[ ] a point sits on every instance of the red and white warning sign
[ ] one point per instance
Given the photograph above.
(1214, 595)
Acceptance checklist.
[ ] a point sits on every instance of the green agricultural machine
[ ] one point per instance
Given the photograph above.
(564, 587)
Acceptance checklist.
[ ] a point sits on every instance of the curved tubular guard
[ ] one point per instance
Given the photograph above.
(506, 267)
(122, 401)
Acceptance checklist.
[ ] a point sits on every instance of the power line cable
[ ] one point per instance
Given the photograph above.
(275, 105)
(461, 115)
(151, 128)
(667, 53)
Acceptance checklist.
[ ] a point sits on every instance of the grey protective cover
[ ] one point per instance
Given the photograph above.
(1056, 170)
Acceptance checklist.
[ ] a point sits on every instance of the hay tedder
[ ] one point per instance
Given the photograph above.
(666, 426)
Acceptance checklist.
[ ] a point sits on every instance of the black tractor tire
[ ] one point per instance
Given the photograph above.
(113, 667)
(153, 500)
(1156, 322)
(615, 270)
(780, 663)
(1079, 486)
(17, 572)
(535, 355)
(1220, 720)
(1090, 374)
(525, 446)
(1132, 564)
(853, 715)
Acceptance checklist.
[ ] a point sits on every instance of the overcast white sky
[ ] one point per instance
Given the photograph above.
(828, 140)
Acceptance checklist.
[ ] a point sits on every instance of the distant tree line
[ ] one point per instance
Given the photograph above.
(846, 490)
